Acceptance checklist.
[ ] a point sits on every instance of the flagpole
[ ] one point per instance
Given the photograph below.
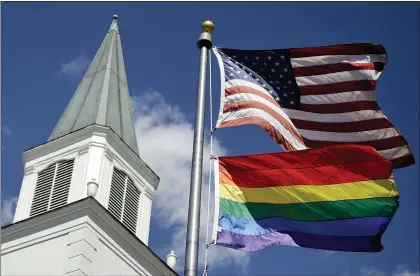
(193, 229)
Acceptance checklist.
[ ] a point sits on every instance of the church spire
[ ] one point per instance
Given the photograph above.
(92, 152)
(102, 96)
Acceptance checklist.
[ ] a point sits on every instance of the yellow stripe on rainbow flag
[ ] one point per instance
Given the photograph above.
(310, 193)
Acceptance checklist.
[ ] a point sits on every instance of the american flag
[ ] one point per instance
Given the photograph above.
(310, 97)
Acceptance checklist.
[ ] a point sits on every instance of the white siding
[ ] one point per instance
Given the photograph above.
(45, 258)
(111, 264)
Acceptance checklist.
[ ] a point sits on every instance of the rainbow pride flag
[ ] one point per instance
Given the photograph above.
(339, 198)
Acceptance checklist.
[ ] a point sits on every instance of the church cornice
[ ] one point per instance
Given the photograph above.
(83, 150)
(108, 154)
(29, 170)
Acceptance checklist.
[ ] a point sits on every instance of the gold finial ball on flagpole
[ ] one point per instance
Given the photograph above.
(207, 26)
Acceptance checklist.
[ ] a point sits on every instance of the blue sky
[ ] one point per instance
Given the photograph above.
(47, 46)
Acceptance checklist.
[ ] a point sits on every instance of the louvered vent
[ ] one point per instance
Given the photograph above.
(52, 187)
(124, 199)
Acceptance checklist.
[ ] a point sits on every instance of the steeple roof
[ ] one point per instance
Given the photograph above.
(102, 96)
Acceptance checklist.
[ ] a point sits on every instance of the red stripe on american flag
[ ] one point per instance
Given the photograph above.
(248, 90)
(339, 107)
(383, 144)
(336, 67)
(254, 120)
(232, 107)
(333, 88)
(403, 161)
(343, 127)
(344, 49)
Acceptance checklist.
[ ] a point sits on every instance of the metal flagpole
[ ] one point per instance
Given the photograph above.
(193, 229)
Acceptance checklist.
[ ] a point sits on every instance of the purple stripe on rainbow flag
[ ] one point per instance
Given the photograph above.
(367, 226)
(336, 243)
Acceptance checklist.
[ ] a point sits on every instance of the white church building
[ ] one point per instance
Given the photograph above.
(85, 202)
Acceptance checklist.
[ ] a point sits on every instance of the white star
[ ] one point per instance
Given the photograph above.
(292, 102)
(269, 91)
(292, 93)
(265, 64)
(271, 81)
(285, 86)
(281, 76)
(285, 95)
(277, 82)
(231, 74)
(257, 80)
(230, 61)
(263, 85)
(277, 98)
(278, 87)
(262, 69)
(231, 68)
(253, 63)
(269, 76)
(246, 76)
(234, 56)
(285, 69)
(269, 57)
(277, 63)
(246, 57)
(237, 72)
(290, 82)
(257, 58)
(273, 70)
(282, 57)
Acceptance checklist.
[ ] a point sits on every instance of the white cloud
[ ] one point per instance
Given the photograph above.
(165, 139)
(6, 130)
(8, 209)
(75, 67)
(371, 271)
(403, 271)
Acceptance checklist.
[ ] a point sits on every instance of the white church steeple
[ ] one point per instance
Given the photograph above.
(93, 150)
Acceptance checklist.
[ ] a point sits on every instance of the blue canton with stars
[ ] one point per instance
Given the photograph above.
(270, 69)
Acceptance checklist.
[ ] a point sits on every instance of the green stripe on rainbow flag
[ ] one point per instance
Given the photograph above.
(314, 211)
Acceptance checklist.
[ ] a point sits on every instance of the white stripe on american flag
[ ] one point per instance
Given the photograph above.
(238, 82)
(354, 116)
(255, 112)
(395, 152)
(359, 115)
(362, 136)
(338, 77)
(321, 60)
(343, 97)
(245, 97)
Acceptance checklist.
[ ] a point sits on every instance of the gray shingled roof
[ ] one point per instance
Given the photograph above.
(102, 96)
